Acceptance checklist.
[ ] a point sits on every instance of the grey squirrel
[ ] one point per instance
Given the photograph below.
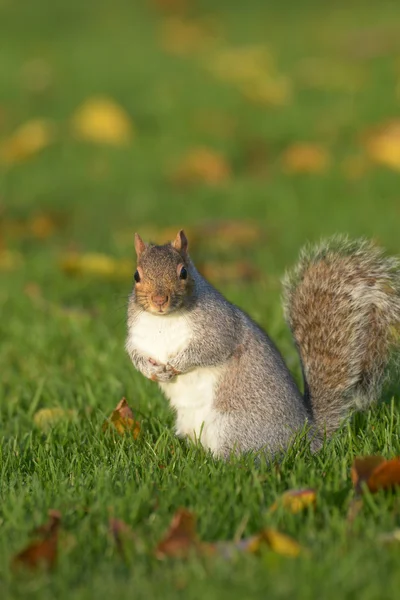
(224, 377)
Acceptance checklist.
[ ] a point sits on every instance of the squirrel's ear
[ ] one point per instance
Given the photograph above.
(140, 246)
(180, 243)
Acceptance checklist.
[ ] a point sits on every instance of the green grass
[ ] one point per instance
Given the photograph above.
(75, 359)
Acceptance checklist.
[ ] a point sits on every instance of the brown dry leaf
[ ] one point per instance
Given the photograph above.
(305, 158)
(383, 145)
(96, 265)
(10, 260)
(27, 141)
(221, 272)
(296, 501)
(181, 537)
(46, 418)
(121, 533)
(376, 473)
(182, 36)
(102, 121)
(122, 420)
(202, 165)
(42, 553)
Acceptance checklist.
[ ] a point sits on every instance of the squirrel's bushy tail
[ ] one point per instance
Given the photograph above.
(342, 303)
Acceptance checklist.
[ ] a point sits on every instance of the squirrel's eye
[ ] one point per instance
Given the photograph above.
(183, 273)
(136, 276)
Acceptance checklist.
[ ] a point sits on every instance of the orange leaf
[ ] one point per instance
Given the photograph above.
(305, 158)
(202, 165)
(296, 500)
(42, 553)
(376, 473)
(181, 536)
(123, 420)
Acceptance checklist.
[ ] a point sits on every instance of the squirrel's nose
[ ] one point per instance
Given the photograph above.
(159, 300)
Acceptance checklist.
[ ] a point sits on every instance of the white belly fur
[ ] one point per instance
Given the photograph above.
(192, 393)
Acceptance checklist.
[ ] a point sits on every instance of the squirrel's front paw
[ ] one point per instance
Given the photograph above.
(160, 372)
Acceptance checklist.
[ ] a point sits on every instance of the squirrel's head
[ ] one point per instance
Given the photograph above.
(162, 281)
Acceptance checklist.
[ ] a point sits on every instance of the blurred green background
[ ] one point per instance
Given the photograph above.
(257, 126)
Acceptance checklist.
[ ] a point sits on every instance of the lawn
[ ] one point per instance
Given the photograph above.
(268, 117)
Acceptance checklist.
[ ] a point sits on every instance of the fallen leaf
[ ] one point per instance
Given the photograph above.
(375, 473)
(123, 420)
(121, 533)
(27, 141)
(252, 70)
(228, 233)
(241, 64)
(97, 265)
(305, 158)
(102, 121)
(182, 36)
(41, 553)
(10, 260)
(181, 537)
(222, 272)
(296, 501)
(271, 538)
(383, 145)
(272, 91)
(46, 418)
(202, 165)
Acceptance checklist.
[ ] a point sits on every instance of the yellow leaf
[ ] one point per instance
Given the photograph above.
(10, 260)
(29, 139)
(46, 418)
(102, 121)
(122, 419)
(241, 64)
(202, 165)
(296, 500)
(97, 265)
(276, 541)
(281, 543)
(305, 158)
(383, 145)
